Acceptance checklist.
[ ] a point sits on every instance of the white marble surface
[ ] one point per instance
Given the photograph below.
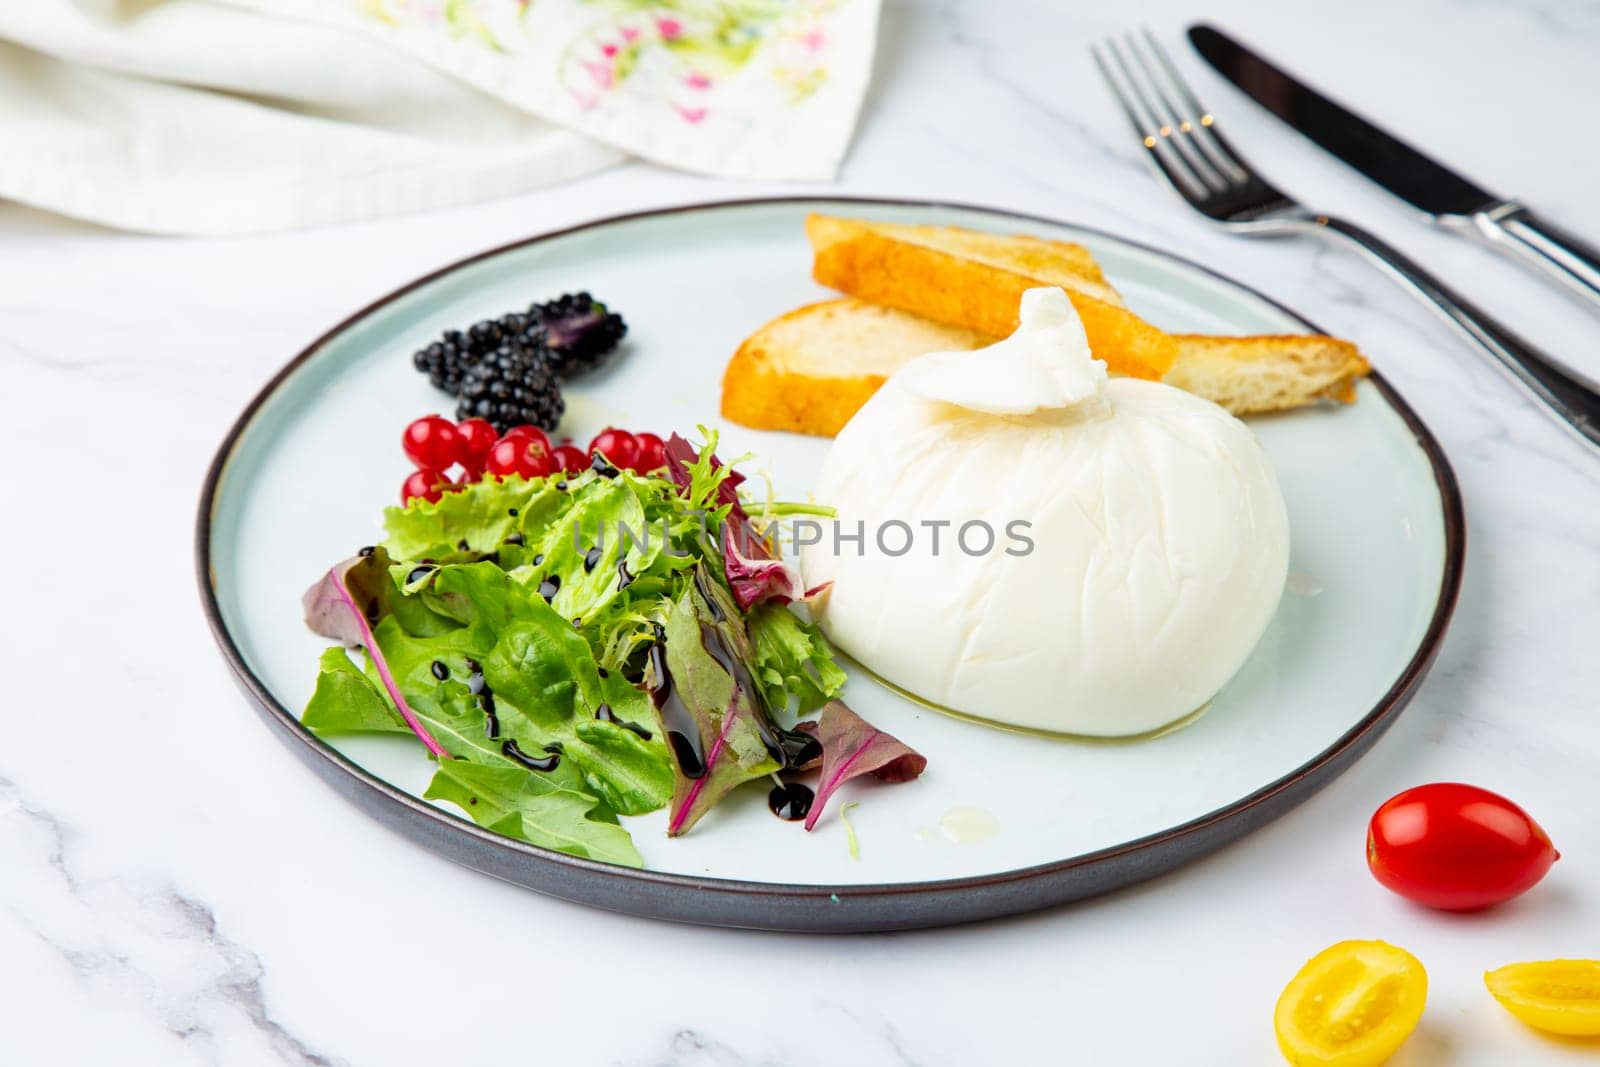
(175, 888)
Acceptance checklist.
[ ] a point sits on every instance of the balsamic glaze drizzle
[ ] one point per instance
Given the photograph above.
(605, 714)
(512, 751)
(791, 801)
(712, 603)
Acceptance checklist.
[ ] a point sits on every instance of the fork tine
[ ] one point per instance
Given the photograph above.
(1200, 122)
(1178, 129)
(1144, 123)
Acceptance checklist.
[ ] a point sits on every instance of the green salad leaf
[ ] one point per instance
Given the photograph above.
(733, 740)
(792, 658)
(567, 648)
(510, 801)
(346, 702)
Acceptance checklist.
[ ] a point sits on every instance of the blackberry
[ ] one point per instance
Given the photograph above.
(512, 386)
(581, 332)
(446, 360)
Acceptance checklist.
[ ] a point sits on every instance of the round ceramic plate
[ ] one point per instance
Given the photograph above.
(1374, 513)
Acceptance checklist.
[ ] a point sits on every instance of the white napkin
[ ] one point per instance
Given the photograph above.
(192, 116)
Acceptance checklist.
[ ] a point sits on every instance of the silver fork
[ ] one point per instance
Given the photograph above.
(1183, 139)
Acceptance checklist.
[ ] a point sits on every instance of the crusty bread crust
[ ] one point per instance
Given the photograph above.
(882, 266)
(775, 380)
(1254, 375)
(775, 400)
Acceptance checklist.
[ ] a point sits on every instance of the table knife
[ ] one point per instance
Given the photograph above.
(1420, 180)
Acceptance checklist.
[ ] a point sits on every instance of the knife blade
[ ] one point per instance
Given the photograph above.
(1409, 174)
(1415, 177)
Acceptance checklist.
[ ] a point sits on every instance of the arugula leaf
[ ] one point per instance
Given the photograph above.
(792, 657)
(510, 801)
(851, 747)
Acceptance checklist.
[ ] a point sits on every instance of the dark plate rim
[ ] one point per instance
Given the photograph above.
(1352, 743)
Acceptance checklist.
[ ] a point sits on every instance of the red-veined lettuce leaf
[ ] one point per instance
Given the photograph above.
(851, 747)
(752, 572)
(707, 657)
(337, 607)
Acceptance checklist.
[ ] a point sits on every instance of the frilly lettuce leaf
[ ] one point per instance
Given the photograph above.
(480, 515)
(791, 657)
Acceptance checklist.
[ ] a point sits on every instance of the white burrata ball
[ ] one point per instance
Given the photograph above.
(1043, 546)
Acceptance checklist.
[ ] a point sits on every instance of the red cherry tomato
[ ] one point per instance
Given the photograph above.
(475, 437)
(618, 446)
(432, 442)
(520, 455)
(427, 484)
(1456, 847)
(652, 453)
(570, 459)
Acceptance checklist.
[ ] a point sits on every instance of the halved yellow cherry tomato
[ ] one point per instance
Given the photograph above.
(1352, 1005)
(1558, 996)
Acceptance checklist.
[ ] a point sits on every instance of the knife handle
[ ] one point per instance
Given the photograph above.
(1574, 400)
(1567, 258)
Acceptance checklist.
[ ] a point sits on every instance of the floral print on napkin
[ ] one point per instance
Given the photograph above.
(739, 88)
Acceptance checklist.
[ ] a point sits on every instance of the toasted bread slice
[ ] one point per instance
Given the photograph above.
(810, 370)
(1251, 375)
(976, 281)
(1069, 263)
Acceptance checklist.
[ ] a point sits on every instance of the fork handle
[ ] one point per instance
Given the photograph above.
(1566, 257)
(1574, 400)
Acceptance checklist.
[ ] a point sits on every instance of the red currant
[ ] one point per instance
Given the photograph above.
(432, 442)
(570, 459)
(652, 453)
(618, 446)
(476, 437)
(520, 455)
(532, 433)
(426, 483)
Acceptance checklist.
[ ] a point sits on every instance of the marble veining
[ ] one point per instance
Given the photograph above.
(176, 889)
(147, 940)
